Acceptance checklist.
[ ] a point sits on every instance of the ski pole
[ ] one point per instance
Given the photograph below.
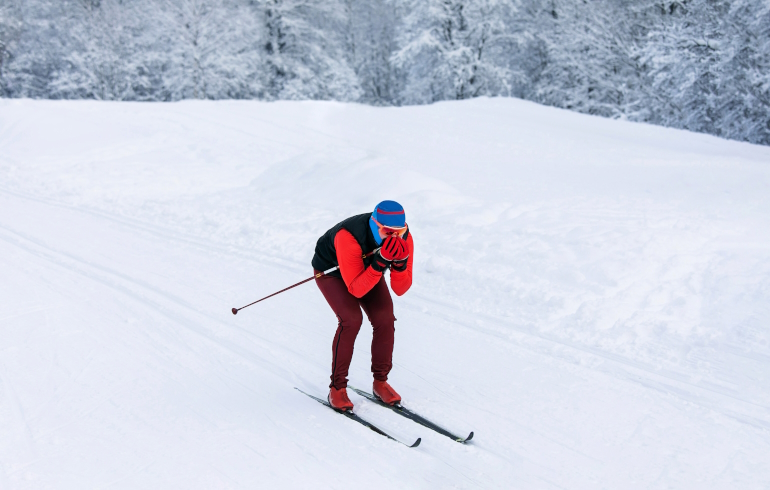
(314, 276)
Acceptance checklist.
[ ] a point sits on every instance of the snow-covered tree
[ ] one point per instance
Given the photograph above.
(593, 62)
(10, 26)
(95, 63)
(751, 58)
(305, 51)
(709, 66)
(682, 59)
(371, 42)
(212, 49)
(742, 78)
(451, 49)
(29, 68)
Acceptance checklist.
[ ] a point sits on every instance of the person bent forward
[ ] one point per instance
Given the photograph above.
(364, 247)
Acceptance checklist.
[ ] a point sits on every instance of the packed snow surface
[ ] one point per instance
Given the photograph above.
(591, 297)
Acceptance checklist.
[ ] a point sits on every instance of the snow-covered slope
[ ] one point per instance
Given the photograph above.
(591, 297)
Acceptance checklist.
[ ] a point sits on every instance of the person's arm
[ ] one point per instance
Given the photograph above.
(400, 282)
(358, 278)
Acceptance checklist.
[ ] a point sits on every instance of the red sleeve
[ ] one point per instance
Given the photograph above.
(400, 282)
(358, 278)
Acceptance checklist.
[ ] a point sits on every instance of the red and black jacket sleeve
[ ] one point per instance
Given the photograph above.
(359, 278)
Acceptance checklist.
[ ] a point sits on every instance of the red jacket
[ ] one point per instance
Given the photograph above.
(360, 279)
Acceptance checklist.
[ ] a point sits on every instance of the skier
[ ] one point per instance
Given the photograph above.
(360, 283)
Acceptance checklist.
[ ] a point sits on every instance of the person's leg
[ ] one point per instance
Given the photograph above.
(349, 316)
(378, 306)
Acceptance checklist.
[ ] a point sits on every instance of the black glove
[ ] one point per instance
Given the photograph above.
(379, 263)
(398, 265)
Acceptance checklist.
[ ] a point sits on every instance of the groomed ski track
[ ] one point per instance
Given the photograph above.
(591, 298)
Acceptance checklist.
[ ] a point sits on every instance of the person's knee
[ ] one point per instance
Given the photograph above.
(383, 319)
(352, 319)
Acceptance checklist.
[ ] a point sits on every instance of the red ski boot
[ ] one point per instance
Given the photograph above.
(339, 400)
(385, 392)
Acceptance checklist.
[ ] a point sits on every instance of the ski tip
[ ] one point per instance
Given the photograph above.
(470, 436)
(417, 442)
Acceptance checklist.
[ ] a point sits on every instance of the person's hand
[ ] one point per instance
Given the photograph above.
(392, 247)
(379, 263)
(398, 263)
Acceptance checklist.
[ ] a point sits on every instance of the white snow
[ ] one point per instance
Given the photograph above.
(591, 297)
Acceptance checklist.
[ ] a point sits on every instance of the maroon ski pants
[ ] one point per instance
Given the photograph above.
(378, 306)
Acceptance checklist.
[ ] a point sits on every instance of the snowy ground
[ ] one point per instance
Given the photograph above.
(591, 297)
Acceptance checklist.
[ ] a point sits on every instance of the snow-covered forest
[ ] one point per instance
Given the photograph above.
(702, 65)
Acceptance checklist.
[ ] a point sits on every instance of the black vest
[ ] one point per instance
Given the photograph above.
(326, 255)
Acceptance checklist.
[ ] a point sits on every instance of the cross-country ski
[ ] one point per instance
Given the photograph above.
(352, 416)
(405, 412)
